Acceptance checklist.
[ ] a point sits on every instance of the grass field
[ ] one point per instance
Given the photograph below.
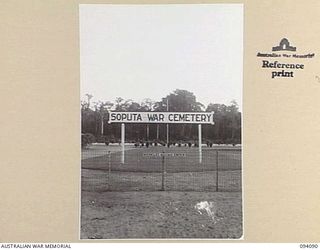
(157, 215)
(229, 159)
(145, 173)
(126, 202)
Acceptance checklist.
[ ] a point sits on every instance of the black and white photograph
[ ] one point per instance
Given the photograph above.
(161, 121)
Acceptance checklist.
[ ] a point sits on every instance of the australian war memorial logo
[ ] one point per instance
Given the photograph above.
(283, 60)
(284, 45)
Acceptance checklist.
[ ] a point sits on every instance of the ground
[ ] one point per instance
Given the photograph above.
(110, 215)
(138, 213)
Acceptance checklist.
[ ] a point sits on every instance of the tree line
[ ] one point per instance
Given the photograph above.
(95, 128)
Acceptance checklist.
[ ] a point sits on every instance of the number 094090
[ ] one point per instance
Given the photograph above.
(314, 246)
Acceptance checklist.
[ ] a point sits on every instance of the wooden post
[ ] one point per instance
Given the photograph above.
(167, 134)
(167, 123)
(163, 173)
(109, 168)
(217, 171)
(200, 143)
(157, 132)
(122, 141)
(102, 125)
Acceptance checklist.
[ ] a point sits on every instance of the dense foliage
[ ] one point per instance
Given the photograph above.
(94, 117)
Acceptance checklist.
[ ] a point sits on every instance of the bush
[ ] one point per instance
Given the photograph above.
(87, 139)
(91, 137)
(231, 141)
(219, 141)
(84, 141)
(101, 139)
(237, 141)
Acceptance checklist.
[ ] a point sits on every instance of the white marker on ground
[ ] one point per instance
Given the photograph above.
(208, 207)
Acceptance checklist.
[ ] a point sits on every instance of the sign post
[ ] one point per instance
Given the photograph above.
(122, 141)
(161, 117)
(200, 143)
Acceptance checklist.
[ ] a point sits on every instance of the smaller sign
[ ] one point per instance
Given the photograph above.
(164, 154)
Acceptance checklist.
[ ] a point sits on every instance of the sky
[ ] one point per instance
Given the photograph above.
(148, 51)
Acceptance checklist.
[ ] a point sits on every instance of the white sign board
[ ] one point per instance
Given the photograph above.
(161, 117)
(164, 154)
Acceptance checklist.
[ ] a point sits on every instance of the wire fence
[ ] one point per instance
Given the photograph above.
(161, 168)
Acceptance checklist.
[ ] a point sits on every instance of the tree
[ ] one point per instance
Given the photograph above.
(88, 119)
(233, 109)
(89, 96)
(148, 105)
(102, 109)
(119, 104)
(227, 120)
(180, 101)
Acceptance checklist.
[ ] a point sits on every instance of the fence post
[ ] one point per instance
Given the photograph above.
(109, 168)
(138, 159)
(163, 172)
(217, 170)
